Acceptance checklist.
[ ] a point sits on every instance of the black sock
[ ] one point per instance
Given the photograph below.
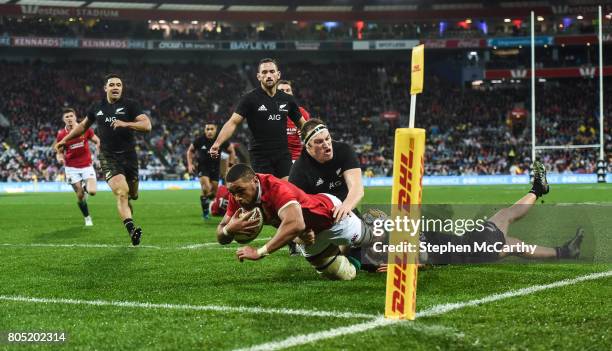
(129, 225)
(83, 208)
(204, 203)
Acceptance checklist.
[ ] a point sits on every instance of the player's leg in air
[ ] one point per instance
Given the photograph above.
(506, 216)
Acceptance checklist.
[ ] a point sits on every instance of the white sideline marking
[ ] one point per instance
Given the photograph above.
(102, 246)
(197, 246)
(434, 311)
(214, 308)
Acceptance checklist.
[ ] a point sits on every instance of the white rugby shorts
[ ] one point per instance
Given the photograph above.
(75, 175)
(346, 232)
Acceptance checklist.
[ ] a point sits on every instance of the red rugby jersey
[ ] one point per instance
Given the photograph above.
(317, 209)
(293, 138)
(77, 152)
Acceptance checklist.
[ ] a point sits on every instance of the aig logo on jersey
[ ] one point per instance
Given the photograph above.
(276, 117)
(332, 185)
(110, 119)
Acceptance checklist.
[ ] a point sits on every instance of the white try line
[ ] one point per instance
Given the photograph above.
(211, 308)
(87, 246)
(434, 311)
(208, 245)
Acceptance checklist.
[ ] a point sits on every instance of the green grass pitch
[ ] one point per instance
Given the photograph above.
(181, 291)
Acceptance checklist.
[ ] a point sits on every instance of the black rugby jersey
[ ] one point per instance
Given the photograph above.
(104, 113)
(267, 119)
(314, 177)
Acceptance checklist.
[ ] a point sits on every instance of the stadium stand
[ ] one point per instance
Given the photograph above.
(470, 131)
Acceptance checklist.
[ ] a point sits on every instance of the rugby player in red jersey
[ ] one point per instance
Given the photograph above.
(293, 136)
(295, 214)
(76, 159)
(219, 205)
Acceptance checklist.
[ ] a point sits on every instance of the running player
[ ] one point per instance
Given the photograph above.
(77, 162)
(208, 167)
(266, 110)
(117, 120)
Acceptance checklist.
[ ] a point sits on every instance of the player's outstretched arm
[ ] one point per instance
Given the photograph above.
(59, 156)
(352, 177)
(292, 225)
(141, 123)
(94, 139)
(226, 132)
(78, 130)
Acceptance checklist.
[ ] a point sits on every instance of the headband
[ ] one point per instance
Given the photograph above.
(318, 129)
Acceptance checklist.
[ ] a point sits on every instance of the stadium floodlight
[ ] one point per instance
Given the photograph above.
(189, 7)
(121, 5)
(324, 9)
(250, 8)
(57, 3)
(374, 8)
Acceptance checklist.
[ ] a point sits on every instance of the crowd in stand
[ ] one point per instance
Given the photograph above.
(469, 131)
(96, 28)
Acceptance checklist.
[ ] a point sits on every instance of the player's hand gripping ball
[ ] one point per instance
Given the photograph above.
(254, 216)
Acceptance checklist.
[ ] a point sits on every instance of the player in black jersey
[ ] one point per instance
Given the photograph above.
(117, 119)
(328, 166)
(207, 167)
(266, 110)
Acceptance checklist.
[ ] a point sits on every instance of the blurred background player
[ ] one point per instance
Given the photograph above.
(218, 206)
(266, 110)
(208, 168)
(117, 119)
(77, 162)
(295, 214)
(293, 132)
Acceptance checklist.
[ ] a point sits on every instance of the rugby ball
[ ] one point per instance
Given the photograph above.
(254, 214)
